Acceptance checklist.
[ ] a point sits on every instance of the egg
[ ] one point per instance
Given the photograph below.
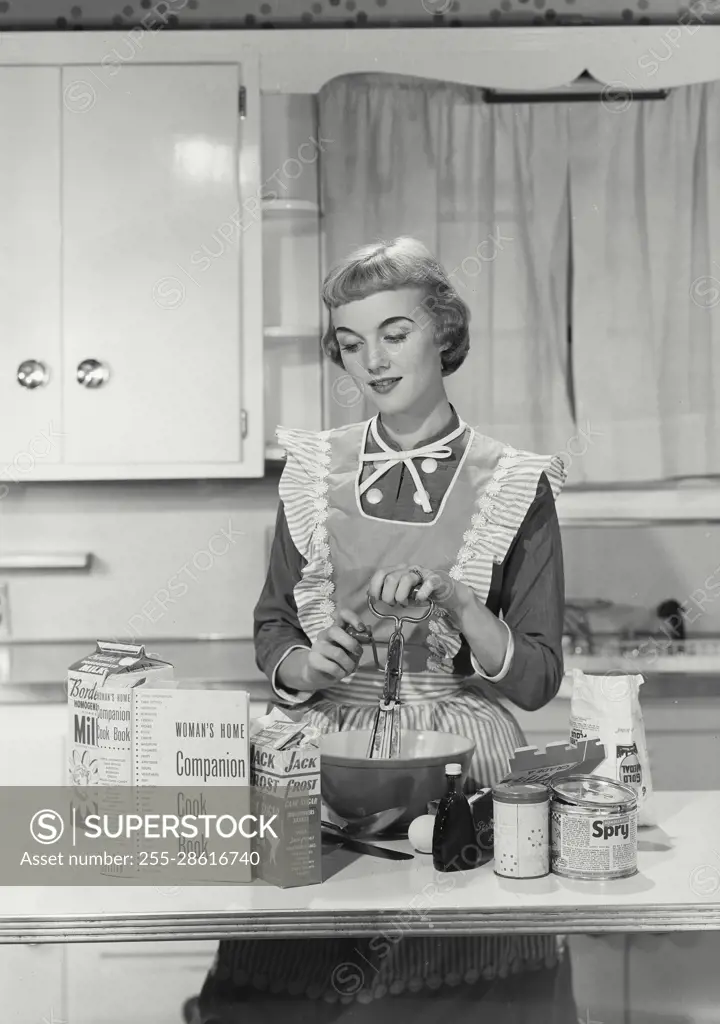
(420, 833)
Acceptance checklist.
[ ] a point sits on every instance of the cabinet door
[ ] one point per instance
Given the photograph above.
(32, 983)
(33, 745)
(152, 232)
(142, 982)
(29, 268)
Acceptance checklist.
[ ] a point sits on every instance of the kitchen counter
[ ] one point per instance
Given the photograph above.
(677, 889)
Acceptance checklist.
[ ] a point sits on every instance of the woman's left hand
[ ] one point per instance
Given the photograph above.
(393, 586)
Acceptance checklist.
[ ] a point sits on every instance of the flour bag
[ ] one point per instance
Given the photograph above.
(608, 708)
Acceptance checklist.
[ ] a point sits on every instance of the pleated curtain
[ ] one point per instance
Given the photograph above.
(602, 220)
(645, 199)
(485, 188)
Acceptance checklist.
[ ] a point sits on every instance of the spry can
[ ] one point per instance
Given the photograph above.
(593, 828)
(520, 830)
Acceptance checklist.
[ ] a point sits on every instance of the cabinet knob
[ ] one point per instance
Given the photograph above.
(91, 373)
(32, 374)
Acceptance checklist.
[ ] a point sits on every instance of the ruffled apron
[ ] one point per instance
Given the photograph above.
(479, 517)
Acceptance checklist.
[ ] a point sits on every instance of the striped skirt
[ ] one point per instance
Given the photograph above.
(364, 969)
(430, 702)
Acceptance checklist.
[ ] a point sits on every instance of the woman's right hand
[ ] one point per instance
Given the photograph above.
(334, 655)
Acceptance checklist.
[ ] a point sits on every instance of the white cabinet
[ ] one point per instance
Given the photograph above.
(30, 122)
(646, 978)
(33, 744)
(142, 982)
(101, 982)
(32, 753)
(130, 267)
(32, 984)
(152, 266)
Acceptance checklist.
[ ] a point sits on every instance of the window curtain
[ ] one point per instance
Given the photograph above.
(486, 189)
(645, 200)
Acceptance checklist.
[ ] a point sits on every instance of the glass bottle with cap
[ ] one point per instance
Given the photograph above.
(455, 846)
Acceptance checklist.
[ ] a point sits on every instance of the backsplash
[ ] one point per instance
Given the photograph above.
(169, 559)
(180, 559)
(644, 565)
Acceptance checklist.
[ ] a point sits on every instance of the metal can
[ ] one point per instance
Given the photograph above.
(520, 830)
(593, 828)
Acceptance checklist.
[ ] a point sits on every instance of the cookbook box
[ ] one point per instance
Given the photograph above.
(191, 758)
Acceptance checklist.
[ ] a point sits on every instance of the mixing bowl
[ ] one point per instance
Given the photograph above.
(355, 786)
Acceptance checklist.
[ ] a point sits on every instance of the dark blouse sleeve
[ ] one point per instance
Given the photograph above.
(277, 628)
(532, 600)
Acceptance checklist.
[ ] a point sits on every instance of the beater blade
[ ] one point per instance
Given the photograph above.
(385, 736)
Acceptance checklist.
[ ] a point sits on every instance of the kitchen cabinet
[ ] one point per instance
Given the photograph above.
(102, 983)
(145, 982)
(32, 983)
(33, 744)
(30, 127)
(133, 268)
(32, 753)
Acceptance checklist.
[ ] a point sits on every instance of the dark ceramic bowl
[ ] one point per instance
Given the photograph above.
(355, 786)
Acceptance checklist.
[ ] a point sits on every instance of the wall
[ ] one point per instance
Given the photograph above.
(643, 566)
(352, 13)
(169, 559)
(204, 543)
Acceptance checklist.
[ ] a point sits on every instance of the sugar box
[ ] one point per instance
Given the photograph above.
(285, 781)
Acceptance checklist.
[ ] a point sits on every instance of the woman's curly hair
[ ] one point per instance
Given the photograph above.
(389, 266)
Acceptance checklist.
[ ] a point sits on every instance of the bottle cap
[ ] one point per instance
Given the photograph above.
(453, 769)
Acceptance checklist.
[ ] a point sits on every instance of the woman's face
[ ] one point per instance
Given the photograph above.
(387, 345)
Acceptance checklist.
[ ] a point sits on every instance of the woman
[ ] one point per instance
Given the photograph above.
(412, 497)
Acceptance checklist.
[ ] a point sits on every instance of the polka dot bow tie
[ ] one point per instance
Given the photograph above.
(388, 457)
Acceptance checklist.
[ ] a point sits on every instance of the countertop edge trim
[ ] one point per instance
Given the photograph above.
(325, 924)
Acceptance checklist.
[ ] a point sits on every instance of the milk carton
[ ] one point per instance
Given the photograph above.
(285, 780)
(100, 691)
